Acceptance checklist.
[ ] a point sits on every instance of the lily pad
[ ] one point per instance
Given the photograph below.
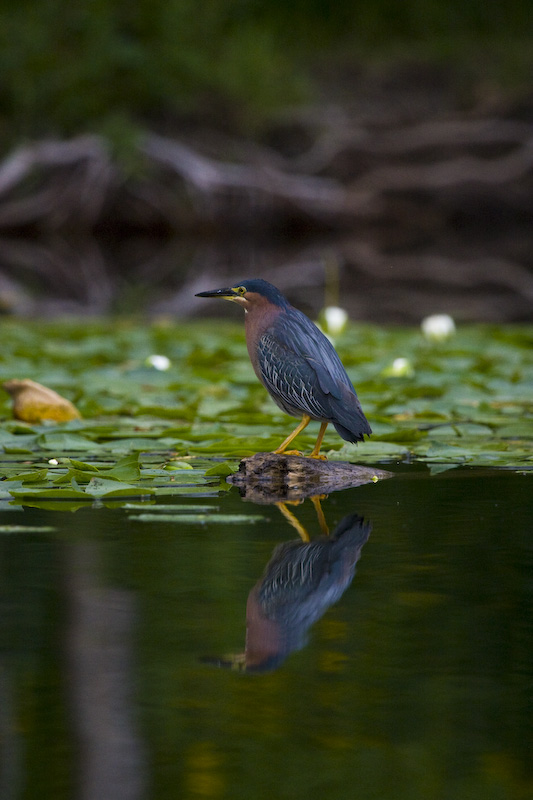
(223, 470)
(98, 487)
(64, 441)
(126, 469)
(50, 494)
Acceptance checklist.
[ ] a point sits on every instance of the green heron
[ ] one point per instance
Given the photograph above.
(300, 582)
(296, 363)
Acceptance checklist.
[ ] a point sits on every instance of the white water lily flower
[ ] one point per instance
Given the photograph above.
(161, 363)
(335, 320)
(438, 327)
(400, 368)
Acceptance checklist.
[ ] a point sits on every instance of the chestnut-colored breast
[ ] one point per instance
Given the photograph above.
(258, 318)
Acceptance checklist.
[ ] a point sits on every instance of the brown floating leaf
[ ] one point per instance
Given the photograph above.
(33, 402)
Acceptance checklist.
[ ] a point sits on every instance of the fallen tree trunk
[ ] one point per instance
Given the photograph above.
(57, 184)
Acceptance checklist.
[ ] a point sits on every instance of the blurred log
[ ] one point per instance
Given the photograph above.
(259, 186)
(75, 274)
(353, 142)
(69, 181)
(60, 183)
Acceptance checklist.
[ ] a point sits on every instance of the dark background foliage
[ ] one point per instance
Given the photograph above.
(66, 67)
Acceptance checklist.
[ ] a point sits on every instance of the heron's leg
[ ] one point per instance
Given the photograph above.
(299, 428)
(292, 520)
(315, 453)
(320, 513)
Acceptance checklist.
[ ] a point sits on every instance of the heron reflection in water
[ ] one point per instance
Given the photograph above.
(300, 582)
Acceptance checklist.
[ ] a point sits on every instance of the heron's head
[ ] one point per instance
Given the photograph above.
(250, 294)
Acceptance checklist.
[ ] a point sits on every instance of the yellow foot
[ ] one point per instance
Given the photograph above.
(318, 456)
(287, 453)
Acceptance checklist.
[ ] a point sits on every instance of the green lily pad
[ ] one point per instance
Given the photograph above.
(223, 470)
(83, 466)
(62, 441)
(127, 491)
(462, 429)
(36, 476)
(98, 487)
(50, 494)
(126, 469)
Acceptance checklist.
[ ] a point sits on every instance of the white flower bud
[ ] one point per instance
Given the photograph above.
(335, 320)
(158, 362)
(438, 327)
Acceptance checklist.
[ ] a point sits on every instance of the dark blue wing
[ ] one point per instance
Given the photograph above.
(298, 333)
(303, 373)
(290, 379)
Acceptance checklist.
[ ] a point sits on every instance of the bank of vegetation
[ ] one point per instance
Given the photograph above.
(100, 65)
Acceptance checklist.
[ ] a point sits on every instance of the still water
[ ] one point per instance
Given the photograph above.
(125, 671)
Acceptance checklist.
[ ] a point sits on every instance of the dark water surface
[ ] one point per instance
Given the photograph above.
(415, 680)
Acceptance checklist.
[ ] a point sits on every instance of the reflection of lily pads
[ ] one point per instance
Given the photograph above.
(55, 505)
(199, 519)
(26, 529)
(190, 490)
(164, 508)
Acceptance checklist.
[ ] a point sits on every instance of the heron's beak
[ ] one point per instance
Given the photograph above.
(226, 294)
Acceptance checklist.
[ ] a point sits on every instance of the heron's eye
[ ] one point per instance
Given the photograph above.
(241, 290)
